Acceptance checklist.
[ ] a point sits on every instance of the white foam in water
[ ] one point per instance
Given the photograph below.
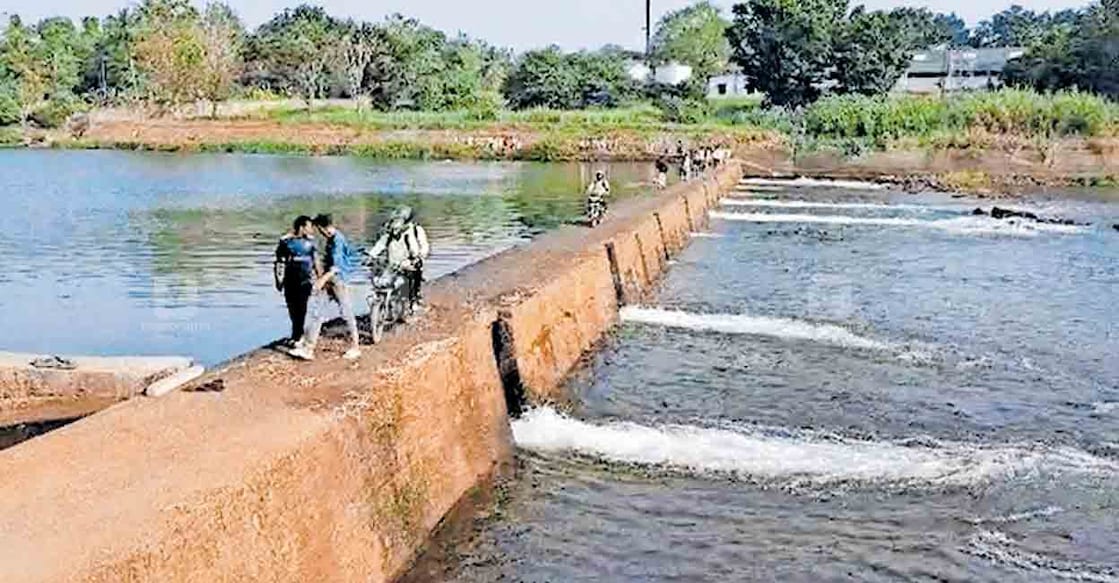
(751, 325)
(801, 458)
(969, 225)
(813, 183)
(706, 236)
(1000, 549)
(810, 204)
(1104, 408)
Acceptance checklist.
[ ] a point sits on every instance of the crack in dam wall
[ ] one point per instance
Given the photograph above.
(334, 470)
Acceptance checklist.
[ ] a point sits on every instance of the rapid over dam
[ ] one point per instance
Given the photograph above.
(270, 470)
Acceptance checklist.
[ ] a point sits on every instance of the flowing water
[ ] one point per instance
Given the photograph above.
(834, 384)
(115, 253)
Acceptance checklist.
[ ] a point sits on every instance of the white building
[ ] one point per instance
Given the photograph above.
(727, 85)
(669, 74)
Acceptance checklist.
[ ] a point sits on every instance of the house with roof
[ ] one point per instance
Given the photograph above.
(950, 70)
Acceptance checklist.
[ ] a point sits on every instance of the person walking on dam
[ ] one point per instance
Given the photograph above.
(405, 245)
(294, 273)
(338, 268)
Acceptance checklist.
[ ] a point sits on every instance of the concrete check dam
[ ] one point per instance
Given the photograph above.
(266, 469)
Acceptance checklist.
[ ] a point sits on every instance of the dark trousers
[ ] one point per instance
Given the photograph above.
(415, 284)
(297, 297)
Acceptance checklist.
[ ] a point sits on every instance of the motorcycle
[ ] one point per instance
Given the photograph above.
(596, 210)
(389, 302)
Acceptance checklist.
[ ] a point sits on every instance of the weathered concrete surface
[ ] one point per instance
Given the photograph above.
(326, 471)
(29, 394)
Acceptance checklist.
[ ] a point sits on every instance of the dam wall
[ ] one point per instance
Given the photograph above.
(267, 469)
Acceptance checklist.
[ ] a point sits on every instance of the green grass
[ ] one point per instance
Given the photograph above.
(935, 120)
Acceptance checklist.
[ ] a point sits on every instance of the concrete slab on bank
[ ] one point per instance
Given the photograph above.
(73, 386)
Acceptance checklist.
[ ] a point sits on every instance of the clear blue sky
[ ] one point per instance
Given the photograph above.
(520, 24)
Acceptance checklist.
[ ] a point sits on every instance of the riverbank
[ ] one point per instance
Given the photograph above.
(225, 479)
(982, 163)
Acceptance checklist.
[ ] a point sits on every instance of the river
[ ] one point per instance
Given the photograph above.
(836, 384)
(121, 253)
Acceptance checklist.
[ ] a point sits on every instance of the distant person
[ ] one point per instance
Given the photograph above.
(597, 193)
(406, 246)
(600, 187)
(294, 273)
(685, 166)
(339, 265)
(661, 180)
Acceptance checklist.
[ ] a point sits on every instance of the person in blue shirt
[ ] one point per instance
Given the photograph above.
(294, 273)
(339, 263)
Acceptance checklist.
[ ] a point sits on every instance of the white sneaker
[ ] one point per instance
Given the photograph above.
(352, 354)
(302, 353)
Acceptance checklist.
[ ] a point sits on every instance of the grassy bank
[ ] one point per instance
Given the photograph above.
(850, 125)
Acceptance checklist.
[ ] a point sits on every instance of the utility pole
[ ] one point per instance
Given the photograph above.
(648, 30)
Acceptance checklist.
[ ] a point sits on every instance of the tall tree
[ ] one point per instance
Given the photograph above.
(784, 47)
(300, 50)
(359, 48)
(1095, 49)
(29, 79)
(222, 37)
(872, 50)
(170, 52)
(695, 36)
(1082, 53)
(1013, 27)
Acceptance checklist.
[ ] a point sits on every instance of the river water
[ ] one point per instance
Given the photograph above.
(119, 253)
(837, 384)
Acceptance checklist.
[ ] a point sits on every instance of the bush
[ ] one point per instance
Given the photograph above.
(1010, 112)
(54, 113)
(487, 107)
(680, 110)
(9, 105)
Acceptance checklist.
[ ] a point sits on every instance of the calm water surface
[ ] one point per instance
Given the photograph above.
(838, 385)
(117, 253)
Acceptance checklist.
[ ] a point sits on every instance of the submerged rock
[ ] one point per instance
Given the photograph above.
(1003, 214)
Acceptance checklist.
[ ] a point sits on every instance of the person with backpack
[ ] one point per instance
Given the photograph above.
(405, 244)
(339, 265)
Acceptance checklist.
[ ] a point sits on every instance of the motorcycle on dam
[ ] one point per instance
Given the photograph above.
(389, 300)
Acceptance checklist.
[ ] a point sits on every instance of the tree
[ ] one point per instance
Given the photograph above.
(1082, 53)
(59, 54)
(784, 47)
(549, 78)
(170, 52)
(410, 72)
(1013, 27)
(299, 50)
(113, 70)
(872, 50)
(1095, 49)
(950, 30)
(27, 75)
(542, 78)
(358, 49)
(222, 38)
(694, 36)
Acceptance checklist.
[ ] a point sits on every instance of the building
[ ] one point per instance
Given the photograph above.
(667, 74)
(949, 70)
(729, 84)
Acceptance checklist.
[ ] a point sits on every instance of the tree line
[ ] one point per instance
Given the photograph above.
(166, 53)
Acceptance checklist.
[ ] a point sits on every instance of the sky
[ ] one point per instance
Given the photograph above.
(520, 24)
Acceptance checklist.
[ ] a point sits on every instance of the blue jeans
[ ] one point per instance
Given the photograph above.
(335, 292)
